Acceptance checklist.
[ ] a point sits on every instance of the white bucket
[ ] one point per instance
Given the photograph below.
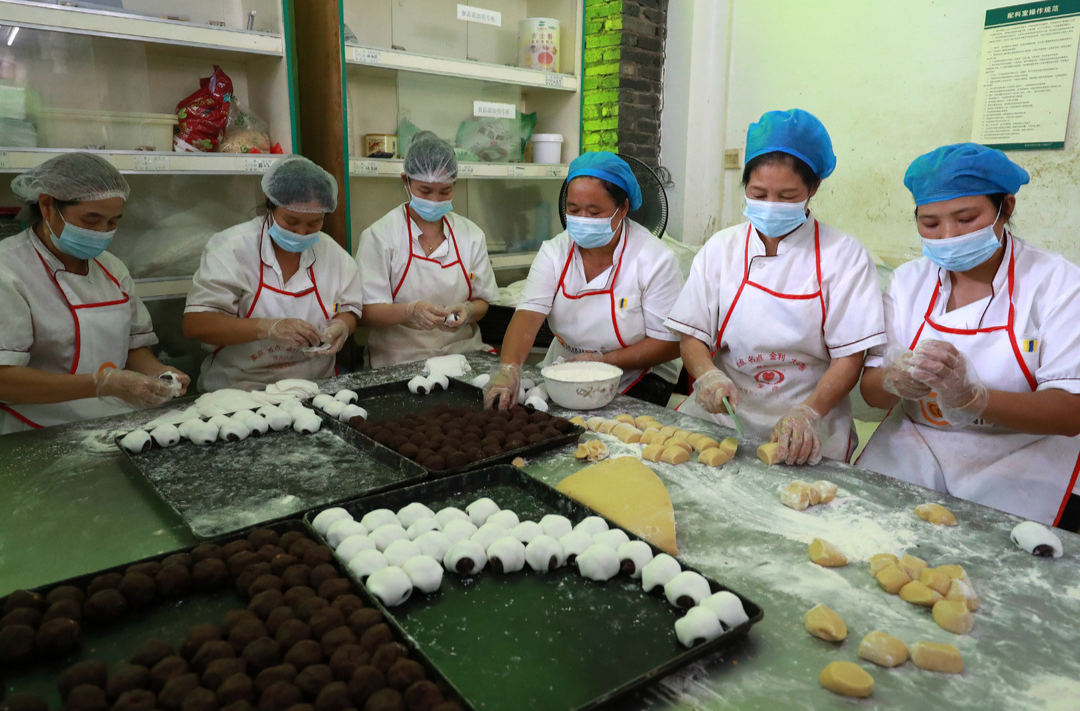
(547, 147)
(538, 44)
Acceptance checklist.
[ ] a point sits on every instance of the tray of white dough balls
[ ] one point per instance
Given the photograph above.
(521, 597)
(230, 471)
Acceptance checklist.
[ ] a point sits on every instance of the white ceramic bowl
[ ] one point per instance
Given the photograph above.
(582, 386)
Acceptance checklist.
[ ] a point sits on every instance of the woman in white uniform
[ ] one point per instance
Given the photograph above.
(427, 275)
(982, 369)
(604, 286)
(74, 337)
(778, 311)
(275, 297)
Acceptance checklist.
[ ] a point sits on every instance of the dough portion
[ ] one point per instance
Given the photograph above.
(607, 426)
(411, 513)
(1037, 540)
(768, 453)
(598, 562)
(544, 554)
(137, 441)
(913, 566)
(327, 517)
(659, 571)
(698, 626)
(648, 435)
(936, 580)
(378, 517)
(702, 443)
(847, 679)
(728, 607)
(883, 649)
(826, 554)
(714, 457)
(953, 616)
(675, 455)
(594, 450)
(593, 423)
(627, 433)
(386, 534)
(931, 656)
(918, 593)
(555, 525)
(826, 490)
(506, 555)
(960, 590)
(880, 561)
(480, 510)
(633, 556)
(687, 589)
(796, 495)
(935, 514)
(653, 452)
(465, 557)
(825, 624)
(643, 421)
(628, 419)
(391, 585)
(892, 578)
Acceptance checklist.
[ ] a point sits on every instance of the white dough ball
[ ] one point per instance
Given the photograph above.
(488, 534)
(434, 544)
(420, 385)
(137, 441)
(205, 433)
(257, 424)
(544, 554)
(612, 538)
(366, 562)
(574, 544)
(459, 530)
(346, 396)
(279, 421)
(659, 571)
(537, 403)
(187, 427)
(506, 519)
(219, 421)
(398, 552)
(239, 415)
(480, 510)
(268, 410)
(506, 555)
(391, 585)
(353, 545)
(233, 431)
(378, 517)
(388, 533)
(592, 525)
(165, 435)
(334, 408)
(526, 531)
(481, 380)
(422, 526)
(290, 405)
(687, 589)
(445, 516)
(343, 528)
(598, 563)
(633, 556)
(411, 513)
(727, 607)
(556, 526)
(1035, 539)
(439, 382)
(465, 557)
(351, 411)
(697, 626)
(425, 572)
(322, 400)
(307, 422)
(327, 517)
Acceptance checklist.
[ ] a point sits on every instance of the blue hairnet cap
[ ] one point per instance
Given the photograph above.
(960, 170)
(796, 132)
(609, 167)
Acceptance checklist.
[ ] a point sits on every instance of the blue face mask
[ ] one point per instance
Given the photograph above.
(959, 254)
(775, 219)
(430, 210)
(290, 241)
(80, 242)
(590, 232)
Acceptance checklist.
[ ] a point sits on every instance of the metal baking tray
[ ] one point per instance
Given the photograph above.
(225, 487)
(541, 641)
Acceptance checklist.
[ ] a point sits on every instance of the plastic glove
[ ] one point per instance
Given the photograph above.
(288, 332)
(131, 387)
(960, 394)
(502, 391)
(711, 389)
(334, 333)
(897, 378)
(176, 380)
(425, 316)
(458, 316)
(799, 435)
(588, 357)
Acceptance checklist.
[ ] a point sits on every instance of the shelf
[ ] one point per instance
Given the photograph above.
(442, 66)
(16, 160)
(165, 288)
(110, 24)
(512, 260)
(386, 168)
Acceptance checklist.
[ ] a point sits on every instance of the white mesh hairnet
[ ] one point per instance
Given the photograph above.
(430, 159)
(298, 184)
(72, 177)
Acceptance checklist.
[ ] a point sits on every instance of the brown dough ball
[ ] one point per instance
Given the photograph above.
(334, 697)
(250, 574)
(302, 544)
(233, 547)
(105, 581)
(434, 462)
(448, 706)
(247, 631)
(346, 659)
(385, 700)
(235, 617)
(206, 551)
(410, 449)
(126, 677)
(219, 670)
(238, 706)
(264, 583)
(387, 654)
(422, 696)
(334, 587)
(151, 652)
(307, 608)
(209, 574)
(265, 602)
(105, 605)
(264, 537)
(317, 555)
(24, 701)
(260, 654)
(365, 681)
(301, 707)
(562, 424)
(149, 568)
(241, 560)
(23, 598)
(457, 459)
(320, 574)
(91, 672)
(22, 616)
(70, 609)
(172, 696)
(347, 604)
(304, 654)
(290, 537)
(86, 698)
(404, 674)
(197, 636)
(529, 430)
(238, 687)
(183, 559)
(135, 700)
(336, 638)
(312, 679)
(65, 592)
(423, 454)
(325, 620)
(173, 580)
(280, 696)
(272, 675)
(361, 620)
(445, 451)
(211, 651)
(280, 563)
(376, 636)
(199, 700)
(536, 439)
(167, 669)
(292, 632)
(139, 589)
(297, 592)
(279, 614)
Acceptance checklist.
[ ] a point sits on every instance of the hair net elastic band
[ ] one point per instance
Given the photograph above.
(789, 151)
(610, 177)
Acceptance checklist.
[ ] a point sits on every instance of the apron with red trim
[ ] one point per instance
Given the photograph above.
(254, 365)
(1023, 474)
(428, 280)
(772, 346)
(101, 329)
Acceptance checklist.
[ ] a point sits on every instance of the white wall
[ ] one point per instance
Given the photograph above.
(891, 79)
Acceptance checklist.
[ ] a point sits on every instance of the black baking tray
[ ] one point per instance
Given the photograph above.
(117, 641)
(392, 400)
(227, 486)
(541, 641)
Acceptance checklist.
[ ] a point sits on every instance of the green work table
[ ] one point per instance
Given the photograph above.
(73, 504)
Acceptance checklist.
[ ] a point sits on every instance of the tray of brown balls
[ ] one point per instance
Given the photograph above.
(579, 615)
(258, 621)
(447, 431)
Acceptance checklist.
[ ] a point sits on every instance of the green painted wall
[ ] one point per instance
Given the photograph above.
(600, 91)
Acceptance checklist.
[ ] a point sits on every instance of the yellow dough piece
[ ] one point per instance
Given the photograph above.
(627, 433)
(955, 572)
(825, 624)
(826, 490)
(919, 594)
(577, 421)
(644, 421)
(961, 590)
(607, 426)
(593, 450)
(682, 435)
(892, 578)
(675, 455)
(631, 495)
(594, 422)
(935, 580)
(669, 430)
(953, 616)
(648, 435)
(912, 566)
(705, 442)
(653, 452)
(847, 679)
(768, 454)
(714, 457)
(826, 554)
(628, 419)
(883, 649)
(693, 438)
(881, 560)
(518, 462)
(796, 495)
(935, 514)
(935, 657)
(681, 444)
(731, 445)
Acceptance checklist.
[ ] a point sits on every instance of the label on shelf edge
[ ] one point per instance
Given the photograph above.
(468, 13)
(151, 162)
(554, 80)
(365, 167)
(258, 165)
(3, 159)
(366, 55)
(555, 171)
(492, 109)
(516, 170)
(464, 170)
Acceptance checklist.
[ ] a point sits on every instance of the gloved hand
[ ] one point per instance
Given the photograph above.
(334, 332)
(897, 378)
(425, 316)
(799, 434)
(960, 394)
(176, 380)
(131, 387)
(711, 388)
(457, 316)
(588, 357)
(288, 332)
(501, 392)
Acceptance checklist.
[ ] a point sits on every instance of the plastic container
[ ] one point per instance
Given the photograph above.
(109, 130)
(380, 145)
(582, 386)
(538, 44)
(547, 147)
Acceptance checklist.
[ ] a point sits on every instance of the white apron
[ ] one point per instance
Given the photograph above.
(254, 365)
(101, 331)
(1027, 475)
(771, 345)
(429, 280)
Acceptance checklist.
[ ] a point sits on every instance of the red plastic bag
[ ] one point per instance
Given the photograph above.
(204, 115)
